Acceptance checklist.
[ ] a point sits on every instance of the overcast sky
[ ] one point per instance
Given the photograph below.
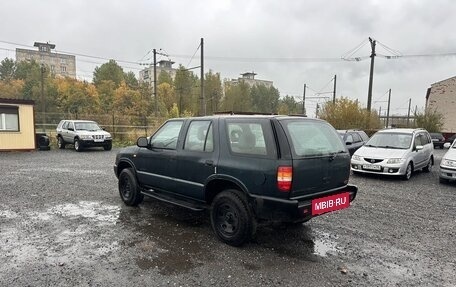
(291, 43)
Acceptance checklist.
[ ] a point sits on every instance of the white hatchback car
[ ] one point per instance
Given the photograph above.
(395, 152)
(448, 165)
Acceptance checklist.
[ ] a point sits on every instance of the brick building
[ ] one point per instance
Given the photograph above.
(58, 64)
(441, 97)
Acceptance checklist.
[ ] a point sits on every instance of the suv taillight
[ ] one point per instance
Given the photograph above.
(284, 177)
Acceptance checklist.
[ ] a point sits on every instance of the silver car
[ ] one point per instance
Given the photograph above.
(448, 165)
(82, 134)
(397, 152)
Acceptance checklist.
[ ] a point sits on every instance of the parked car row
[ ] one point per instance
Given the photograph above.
(82, 134)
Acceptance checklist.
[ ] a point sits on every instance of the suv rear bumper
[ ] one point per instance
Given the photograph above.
(293, 210)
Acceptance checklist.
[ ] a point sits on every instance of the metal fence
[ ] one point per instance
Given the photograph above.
(123, 128)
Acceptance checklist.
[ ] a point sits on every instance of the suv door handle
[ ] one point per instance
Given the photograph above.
(209, 162)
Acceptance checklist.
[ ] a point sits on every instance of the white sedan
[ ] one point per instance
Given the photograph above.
(448, 164)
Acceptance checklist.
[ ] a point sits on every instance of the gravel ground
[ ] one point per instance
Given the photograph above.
(62, 223)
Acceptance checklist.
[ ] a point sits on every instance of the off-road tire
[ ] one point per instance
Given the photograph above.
(232, 218)
(128, 188)
(77, 145)
(108, 146)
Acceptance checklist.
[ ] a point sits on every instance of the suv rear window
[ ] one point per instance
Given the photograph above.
(313, 138)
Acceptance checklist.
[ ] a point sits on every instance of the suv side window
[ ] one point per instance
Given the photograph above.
(247, 138)
(65, 125)
(199, 137)
(70, 126)
(166, 137)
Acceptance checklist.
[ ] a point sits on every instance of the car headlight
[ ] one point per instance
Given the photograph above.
(108, 137)
(395, 160)
(86, 137)
(449, 163)
(356, 157)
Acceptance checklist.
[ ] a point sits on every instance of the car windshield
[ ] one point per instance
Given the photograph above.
(87, 126)
(390, 140)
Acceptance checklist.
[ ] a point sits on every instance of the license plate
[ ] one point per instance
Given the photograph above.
(330, 203)
(99, 141)
(372, 167)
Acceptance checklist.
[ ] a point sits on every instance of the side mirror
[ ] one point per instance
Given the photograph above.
(71, 129)
(419, 147)
(446, 145)
(142, 142)
(348, 143)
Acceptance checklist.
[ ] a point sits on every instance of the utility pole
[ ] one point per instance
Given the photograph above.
(334, 91)
(203, 102)
(388, 111)
(371, 76)
(304, 100)
(43, 99)
(408, 114)
(155, 83)
(316, 112)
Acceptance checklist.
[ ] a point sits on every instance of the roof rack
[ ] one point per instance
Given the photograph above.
(243, 113)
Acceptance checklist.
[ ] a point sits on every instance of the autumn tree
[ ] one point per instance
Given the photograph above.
(431, 120)
(347, 114)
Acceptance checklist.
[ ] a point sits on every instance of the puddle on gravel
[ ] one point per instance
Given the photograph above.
(101, 213)
(323, 245)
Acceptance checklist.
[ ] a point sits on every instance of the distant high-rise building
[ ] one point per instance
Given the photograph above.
(249, 78)
(147, 75)
(58, 64)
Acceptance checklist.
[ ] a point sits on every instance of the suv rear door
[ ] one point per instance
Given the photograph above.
(320, 159)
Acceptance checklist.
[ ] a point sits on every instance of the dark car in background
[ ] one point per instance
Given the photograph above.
(353, 139)
(450, 139)
(437, 139)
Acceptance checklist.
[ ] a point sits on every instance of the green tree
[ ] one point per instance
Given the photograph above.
(213, 92)
(237, 98)
(7, 69)
(130, 80)
(106, 93)
(289, 106)
(431, 120)
(164, 77)
(109, 71)
(347, 114)
(183, 86)
(264, 99)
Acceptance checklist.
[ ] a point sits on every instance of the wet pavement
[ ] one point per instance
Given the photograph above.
(62, 223)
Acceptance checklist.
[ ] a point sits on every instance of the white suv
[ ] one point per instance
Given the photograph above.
(82, 134)
(395, 152)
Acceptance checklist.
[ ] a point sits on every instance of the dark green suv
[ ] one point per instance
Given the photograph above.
(244, 169)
